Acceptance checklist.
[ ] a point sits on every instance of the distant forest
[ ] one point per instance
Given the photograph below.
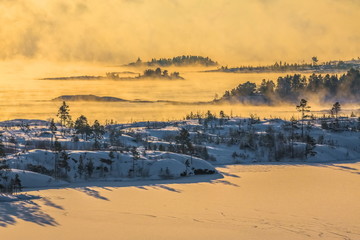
(176, 61)
(291, 88)
(288, 67)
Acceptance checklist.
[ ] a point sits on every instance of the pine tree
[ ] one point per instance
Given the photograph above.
(293, 125)
(184, 140)
(81, 167)
(90, 168)
(64, 161)
(17, 183)
(82, 126)
(56, 149)
(98, 129)
(136, 156)
(309, 147)
(336, 108)
(64, 113)
(53, 129)
(303, 108)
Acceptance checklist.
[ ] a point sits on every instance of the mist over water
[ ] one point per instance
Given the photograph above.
(70, 38)
(231, 32)
(24, 95)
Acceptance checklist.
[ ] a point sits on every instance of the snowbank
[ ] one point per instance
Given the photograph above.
(167, 168)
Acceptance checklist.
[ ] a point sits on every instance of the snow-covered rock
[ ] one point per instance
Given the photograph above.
(167, 168)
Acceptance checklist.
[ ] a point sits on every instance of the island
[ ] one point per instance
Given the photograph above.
(179, 61)
(148, 74)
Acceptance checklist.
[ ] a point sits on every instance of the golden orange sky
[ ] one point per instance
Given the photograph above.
(232, 32)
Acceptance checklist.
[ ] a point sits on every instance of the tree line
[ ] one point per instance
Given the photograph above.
(159, 73)
(284, 66)
(291, 87)
(188, 60)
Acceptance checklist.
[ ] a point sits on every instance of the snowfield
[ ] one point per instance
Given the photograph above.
(206, 178)
(165, 150)
(267, 201)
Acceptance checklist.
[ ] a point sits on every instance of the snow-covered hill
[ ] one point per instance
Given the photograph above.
(43, 157)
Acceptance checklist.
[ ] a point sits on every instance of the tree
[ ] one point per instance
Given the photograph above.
(158, 72)
(336, 108)
(234, 156)
(89, 168)
(81, 167)
(17, 184)
(303, 108)
(64, 114)
(64, 161)
(309, 147)
(161, 148)
(283, 88)
(53, 129)
(267, 88)
(136, 156)
(293, 123)
(314, 60)
(184, 140)
(57, 148)
(246, 89)
(166, 73)
(82, 126)
(98, 129)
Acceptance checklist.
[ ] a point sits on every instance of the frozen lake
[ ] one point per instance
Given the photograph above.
(249, 202)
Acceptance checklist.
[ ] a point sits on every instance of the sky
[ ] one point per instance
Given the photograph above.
(232, 32)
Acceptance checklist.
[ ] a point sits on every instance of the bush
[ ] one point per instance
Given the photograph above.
(38, 169)
(203, 171)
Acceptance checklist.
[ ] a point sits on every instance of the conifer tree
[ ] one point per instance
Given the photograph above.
(336, 108)
(81, 167)
(53, 130)
(184, 140)
(64, 161)
(303, 107)
(64, 114)
(89, 168)
(82, 126)
(17, 183)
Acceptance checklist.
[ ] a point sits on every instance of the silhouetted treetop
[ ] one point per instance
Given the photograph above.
(176, 61)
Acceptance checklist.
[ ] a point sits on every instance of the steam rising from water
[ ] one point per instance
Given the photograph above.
(231, 32)
(53, 38)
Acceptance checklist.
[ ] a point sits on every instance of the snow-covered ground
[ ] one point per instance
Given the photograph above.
(267, 201)
(157, 180)
(166, 150)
